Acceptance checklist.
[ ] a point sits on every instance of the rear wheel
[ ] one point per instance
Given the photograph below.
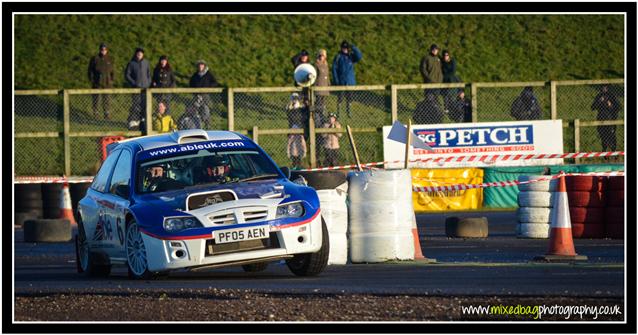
(313, 263)
(136, 256)
(93, 264)
(256, 267)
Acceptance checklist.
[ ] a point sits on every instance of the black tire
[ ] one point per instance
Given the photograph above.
(96, 264)
(466, 227)
(312, 264)
(256, 267)
(47, 230)
(21, 217)
(321, 180)
(27, 192)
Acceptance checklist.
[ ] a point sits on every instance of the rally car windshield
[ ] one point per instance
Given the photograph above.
(203, 168)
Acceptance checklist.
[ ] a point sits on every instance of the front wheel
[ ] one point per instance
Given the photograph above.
(313, 263)
(136, 256)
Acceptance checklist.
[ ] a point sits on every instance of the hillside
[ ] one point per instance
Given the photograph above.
(52, 51)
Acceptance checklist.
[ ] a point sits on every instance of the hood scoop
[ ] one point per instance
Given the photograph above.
(199, 200)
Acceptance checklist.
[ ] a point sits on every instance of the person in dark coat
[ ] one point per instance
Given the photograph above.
(431, 68)
(428, 111)
(526, 106)
(343, 72)
(448, 67)
(302, 57)
(460, 108)
(432, 73)
(190, 119)
(323, 80)
(203, 77)
(101, 75)
(163, 77)
(607, 106)
(138, 75)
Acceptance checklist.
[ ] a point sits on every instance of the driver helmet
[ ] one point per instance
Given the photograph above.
(217, 166)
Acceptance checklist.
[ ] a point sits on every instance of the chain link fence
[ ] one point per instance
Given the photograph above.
(365, 109)
(520, 101)
(268, 114)
(39, 113)
(205, 110)
(427, 105)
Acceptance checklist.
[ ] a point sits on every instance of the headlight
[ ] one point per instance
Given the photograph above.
(180, 223)
(291, 210)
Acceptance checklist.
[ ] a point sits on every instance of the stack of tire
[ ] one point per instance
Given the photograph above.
(615, 209)
(535, 201)
(51, 200)
(332, 190)
(28, 202)
(586, 205)
(77, 191)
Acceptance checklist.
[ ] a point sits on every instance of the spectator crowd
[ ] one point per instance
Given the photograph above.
(435, 68)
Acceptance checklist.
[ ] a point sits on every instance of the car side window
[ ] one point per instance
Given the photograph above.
(122, 171)
(102, 177)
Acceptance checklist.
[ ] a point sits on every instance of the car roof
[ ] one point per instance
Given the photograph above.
(179, 137)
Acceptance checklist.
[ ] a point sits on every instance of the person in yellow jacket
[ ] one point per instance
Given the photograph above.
(163, 123)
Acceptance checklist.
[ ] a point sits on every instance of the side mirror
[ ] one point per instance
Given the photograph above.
(286, 171)
(122, 190)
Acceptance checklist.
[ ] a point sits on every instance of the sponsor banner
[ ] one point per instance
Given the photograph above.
(489, 138)
(194, 147)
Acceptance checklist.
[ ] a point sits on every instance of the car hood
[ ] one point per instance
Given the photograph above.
(150, 209)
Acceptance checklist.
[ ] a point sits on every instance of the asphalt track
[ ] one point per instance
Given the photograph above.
(498, 265)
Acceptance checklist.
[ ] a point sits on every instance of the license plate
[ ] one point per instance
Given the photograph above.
(241, 234)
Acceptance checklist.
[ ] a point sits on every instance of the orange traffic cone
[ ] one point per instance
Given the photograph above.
(561, 243)
(418, 254)
(66, 210)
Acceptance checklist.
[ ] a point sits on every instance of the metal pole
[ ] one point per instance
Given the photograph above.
(256, 134)
(474, 92)
(393, 103)
(552, 98)
(149, 112)
(231, 109)
(67, 125)
(577, 139)
(311, 127)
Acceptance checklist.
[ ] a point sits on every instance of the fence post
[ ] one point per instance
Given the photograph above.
(393, 103)
(552, 99)
(256, 134)
(577, 139)
(311, 128)
(231, 109)
(149, 112)
(66, 123)
(474, 92)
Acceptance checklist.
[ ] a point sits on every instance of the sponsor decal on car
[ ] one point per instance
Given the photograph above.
(184, 148)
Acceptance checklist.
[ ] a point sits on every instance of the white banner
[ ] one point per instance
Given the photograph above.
(488, 138)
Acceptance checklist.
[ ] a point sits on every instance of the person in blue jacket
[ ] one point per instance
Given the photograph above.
(343, 72)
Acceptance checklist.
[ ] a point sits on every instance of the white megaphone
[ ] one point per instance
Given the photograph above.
(305, 75)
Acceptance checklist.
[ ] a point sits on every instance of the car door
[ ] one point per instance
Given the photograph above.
(93, 211)
(117, 204)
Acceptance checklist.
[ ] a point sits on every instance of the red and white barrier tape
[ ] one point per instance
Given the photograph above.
(51, 180)
(440, 160)
(460, 187)
(479, 158)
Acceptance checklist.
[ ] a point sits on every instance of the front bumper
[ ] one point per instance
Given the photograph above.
(173, 254)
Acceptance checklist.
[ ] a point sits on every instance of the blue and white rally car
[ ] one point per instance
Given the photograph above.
(197, 199)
